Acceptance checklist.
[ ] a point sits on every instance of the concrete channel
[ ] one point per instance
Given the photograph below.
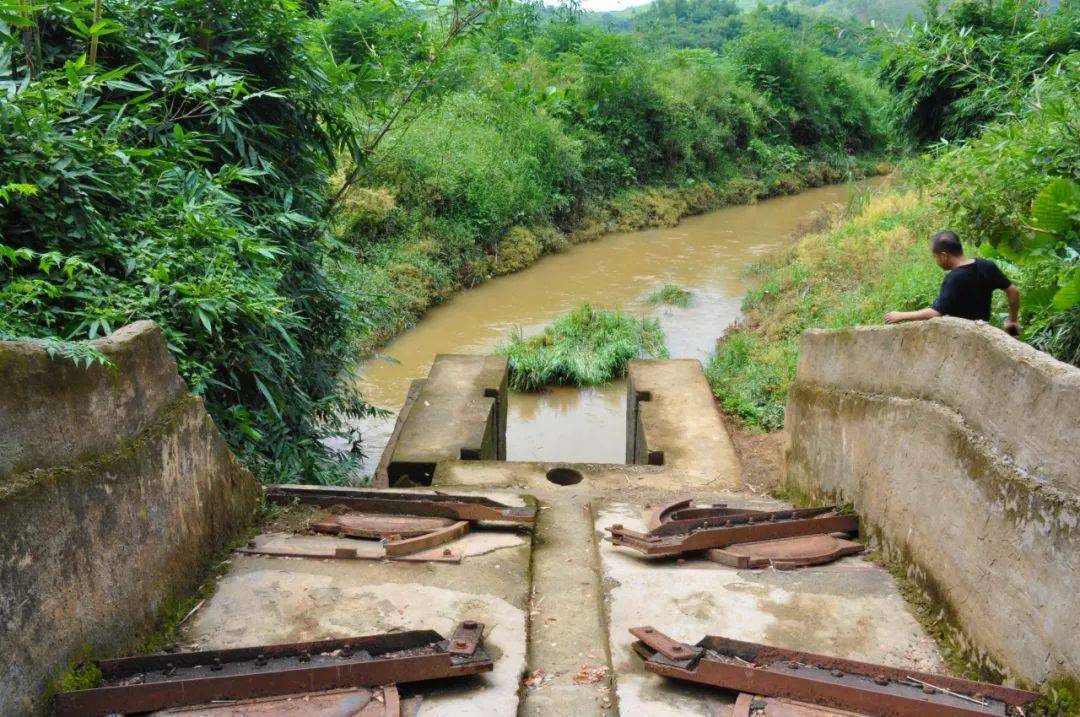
(559, 601)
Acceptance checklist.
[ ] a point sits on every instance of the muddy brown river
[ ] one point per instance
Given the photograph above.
(706, 254)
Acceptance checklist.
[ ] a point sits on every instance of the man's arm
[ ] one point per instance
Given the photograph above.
(896, 317)
(1012, 326)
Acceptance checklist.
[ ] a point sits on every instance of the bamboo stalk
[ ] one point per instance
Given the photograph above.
(94, 37)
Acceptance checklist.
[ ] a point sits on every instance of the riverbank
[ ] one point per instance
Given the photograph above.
(849, 267)
(399, 282)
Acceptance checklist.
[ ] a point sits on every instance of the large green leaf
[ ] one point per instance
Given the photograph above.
(1055, 208)
(1068, 295)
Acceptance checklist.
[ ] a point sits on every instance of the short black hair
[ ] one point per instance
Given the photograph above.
(946, 242)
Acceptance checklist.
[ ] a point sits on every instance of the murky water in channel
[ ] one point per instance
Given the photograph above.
(707, 254)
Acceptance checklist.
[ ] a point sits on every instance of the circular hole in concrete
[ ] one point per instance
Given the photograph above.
(564, 476)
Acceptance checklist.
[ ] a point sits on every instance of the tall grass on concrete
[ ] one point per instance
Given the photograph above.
(586, 347)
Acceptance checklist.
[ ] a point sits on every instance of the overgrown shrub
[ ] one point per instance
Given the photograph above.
(587, 347)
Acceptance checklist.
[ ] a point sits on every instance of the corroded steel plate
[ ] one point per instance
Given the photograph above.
(786, 553)
(379, 525)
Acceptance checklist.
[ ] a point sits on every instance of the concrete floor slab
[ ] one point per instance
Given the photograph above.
(264, 600)
(850, 608)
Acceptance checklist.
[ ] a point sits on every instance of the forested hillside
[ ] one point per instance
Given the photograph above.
(281, 185)
(988, 94)
(284, 186)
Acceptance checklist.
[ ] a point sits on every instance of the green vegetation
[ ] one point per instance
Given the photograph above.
(586, 347)
(672, 295)
(862, 265)
(284, 185)
(1011, 190)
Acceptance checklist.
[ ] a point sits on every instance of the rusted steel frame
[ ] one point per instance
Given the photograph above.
(681, 527)
(425, 556)
(707, 538)
(427, 541)
(833, 682)
(458, 507)
(180, 679)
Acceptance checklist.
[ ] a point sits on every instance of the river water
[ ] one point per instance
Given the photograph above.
(706, 254)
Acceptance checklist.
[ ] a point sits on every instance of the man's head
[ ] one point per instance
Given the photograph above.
(946, 248)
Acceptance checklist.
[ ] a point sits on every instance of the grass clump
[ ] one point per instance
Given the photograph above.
(586, 347)
(672, 295)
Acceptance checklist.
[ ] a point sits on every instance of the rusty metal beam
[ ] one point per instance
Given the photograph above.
(733, 530)
(869, 689)
(400, 547)
(143, 684)
(441, 505)
(730, 517)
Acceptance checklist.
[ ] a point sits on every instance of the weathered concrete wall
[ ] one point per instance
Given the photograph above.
(115, 490)
(458, 413)
(960, 448)
(672, 420)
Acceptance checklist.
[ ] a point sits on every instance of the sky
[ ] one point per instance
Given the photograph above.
(606, 5)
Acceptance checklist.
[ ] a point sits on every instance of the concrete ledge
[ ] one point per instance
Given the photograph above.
(1023, 401)
(54, 412)
(459, 413)
(992, 541)
(672, 421)
(91, 550)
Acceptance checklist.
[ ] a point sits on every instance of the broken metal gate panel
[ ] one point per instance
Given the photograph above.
(685, 510)
(706, 533)
(440, 505)
(142, 684)
(866, 688)
(786, 553)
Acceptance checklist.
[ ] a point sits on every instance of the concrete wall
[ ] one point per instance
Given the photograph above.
(457, 413)
(960, 448)
(115, 491)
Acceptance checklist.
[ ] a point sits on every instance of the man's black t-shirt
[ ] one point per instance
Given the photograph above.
(967, 290)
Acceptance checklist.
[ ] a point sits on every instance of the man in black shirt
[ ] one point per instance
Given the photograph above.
(967, 289)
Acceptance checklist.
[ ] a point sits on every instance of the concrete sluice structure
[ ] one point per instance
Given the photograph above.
(559, 602)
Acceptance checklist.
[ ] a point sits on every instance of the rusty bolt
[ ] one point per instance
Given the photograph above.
(617, 526)
(678, 648)
(346, 651)
(928, 689)
(460, 644)
(793, 665)
(260, 659)
(447, 552)
(216, 665)
(727, 523)
(648, 630)
(169, 670)
(881, 680)
(837, 673)
(979, 696)
(305, 656)
(469, 624)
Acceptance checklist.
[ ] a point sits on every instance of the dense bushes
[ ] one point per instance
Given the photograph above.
(587, 347)
(973, 64)
(182, 179)
(548, 133)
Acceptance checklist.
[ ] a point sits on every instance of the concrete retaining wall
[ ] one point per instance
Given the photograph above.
(960, 448)
(115, 491)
